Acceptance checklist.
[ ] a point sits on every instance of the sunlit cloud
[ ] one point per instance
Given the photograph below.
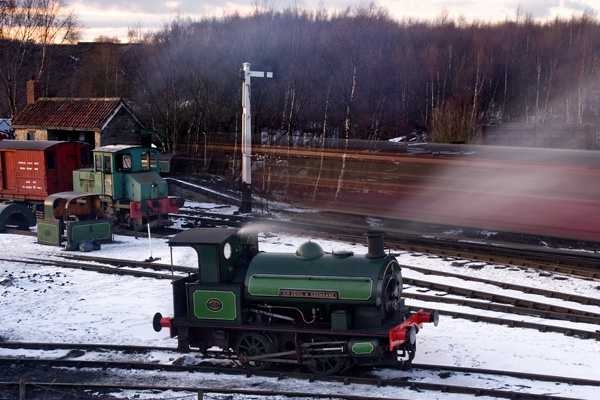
(115, 19)
(172, 4)
(488, 10)
(115, 16)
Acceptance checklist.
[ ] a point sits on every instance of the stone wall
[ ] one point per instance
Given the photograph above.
(122, 129)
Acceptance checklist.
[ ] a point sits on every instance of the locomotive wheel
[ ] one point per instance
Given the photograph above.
(252, 345)
(326, 362)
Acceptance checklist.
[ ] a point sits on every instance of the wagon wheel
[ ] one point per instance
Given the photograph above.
(327, 360)
(251, 345)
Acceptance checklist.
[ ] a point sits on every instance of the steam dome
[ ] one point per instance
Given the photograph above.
(309, 251)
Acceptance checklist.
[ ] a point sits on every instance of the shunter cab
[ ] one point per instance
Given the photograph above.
(223, 257)
(78, 216)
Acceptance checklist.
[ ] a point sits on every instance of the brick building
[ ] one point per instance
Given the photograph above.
(97, 121)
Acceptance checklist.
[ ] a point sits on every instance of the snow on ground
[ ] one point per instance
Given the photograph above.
(49, 304)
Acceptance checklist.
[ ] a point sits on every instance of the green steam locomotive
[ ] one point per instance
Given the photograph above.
(327, 312)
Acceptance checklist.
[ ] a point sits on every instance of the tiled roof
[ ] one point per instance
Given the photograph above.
(61, 113)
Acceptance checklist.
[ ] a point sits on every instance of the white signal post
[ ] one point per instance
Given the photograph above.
(246, 206)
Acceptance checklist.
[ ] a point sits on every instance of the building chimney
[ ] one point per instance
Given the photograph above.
(375, 244)
(34, 90)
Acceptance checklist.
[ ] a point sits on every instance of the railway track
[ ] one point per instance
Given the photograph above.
(469, 297)
(525, 306)
(585, 300)
(166, 271)
(328, 226)
(186, 392)
(417, 238)
(101, 361)
(102, 268)
(568, 331)
(551, 261)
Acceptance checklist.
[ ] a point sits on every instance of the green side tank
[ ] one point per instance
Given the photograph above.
(310, 275)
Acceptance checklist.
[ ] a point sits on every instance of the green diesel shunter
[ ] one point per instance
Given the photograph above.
(130, 175)
(327, 311)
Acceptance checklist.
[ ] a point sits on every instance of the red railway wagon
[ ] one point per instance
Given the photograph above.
(30, 171)
(33, 170)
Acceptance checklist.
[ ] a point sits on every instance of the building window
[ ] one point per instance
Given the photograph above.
(30, 135)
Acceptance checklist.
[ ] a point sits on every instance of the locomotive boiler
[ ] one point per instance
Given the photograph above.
(327, 311)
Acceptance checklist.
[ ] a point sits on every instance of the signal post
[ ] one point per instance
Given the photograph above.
(246, 206)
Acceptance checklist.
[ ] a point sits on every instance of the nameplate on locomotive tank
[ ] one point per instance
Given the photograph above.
(309, 294)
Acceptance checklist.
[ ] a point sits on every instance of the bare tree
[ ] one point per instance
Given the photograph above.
(29, 33)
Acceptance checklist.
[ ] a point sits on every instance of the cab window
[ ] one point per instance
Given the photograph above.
(98, 162)
(149, 160)
(123, 162)
(107, 165)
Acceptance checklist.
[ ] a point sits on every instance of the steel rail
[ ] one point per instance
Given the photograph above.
(584, 334)
(413, 385)
(593, 301)
(495, 297)
(131, 349)
(504, 308)
(105, 269)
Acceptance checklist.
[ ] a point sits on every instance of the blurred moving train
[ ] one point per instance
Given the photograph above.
(549, 193)
(122, 183)
(327, 312)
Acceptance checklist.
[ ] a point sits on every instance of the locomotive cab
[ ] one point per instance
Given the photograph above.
(214, 294)
(222, 253)
(78, 214)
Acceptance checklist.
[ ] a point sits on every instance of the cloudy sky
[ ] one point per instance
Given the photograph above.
(113, 17)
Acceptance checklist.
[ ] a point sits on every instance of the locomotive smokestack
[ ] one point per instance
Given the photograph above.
(375, 243)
